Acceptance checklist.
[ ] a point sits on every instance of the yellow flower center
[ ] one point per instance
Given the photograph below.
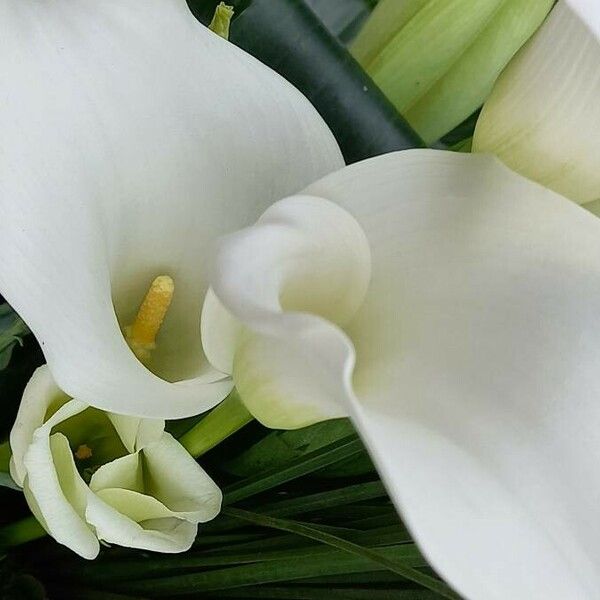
(141, 334)
(83, 452)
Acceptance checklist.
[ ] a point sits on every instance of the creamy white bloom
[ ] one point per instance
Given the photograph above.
(132, 136)
(452, 308)
(90, 475)
(543, 116)
(446, 304)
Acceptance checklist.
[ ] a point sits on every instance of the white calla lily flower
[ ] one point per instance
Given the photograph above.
(132, 137)
(450, 307)
(543, 116)
(89, 475)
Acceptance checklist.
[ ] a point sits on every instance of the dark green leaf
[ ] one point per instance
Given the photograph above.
(312, 593)
(337, 563)
(281, 447)
(315, 502)
(376, 556)
(287, 36)
(342, 19)
(303, 465)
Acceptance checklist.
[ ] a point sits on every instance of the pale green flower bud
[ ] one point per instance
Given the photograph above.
(437, 60)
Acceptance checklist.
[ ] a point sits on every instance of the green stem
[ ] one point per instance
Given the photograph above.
(21, 532)
(221, 422)
(221, 20)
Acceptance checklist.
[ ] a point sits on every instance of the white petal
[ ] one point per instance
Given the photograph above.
(59, 493)
(136, 433)
(135, 505)
(131, 137)
(476, 379)
(221, 332)
(163, 473)
(304, 255)
(174, 478)
(543, 116)
(125, 472)
(40, 393)
(163, 535)
(589, 13)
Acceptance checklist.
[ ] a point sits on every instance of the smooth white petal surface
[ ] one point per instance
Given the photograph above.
(58, 494)
(303, 256)
(179, 482)
(136, 433)
(39, 394)
(131, 137)
(476, 379)
(543, 116)
(162, 535)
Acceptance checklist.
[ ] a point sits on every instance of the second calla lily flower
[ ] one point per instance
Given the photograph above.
(448, 305)
(132, 137)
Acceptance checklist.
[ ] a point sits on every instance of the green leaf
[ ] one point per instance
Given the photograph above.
(338, 562)
(376, 556)
(342, 19)
(280, 447)
(127, 570)
(304, 464)
(288, 37)
(332, 498)
(12, 330)
(312, 593)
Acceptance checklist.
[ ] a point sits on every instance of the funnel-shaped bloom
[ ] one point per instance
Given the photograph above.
(543, 116)
(89, 475)
(452, 308)
(132, 136)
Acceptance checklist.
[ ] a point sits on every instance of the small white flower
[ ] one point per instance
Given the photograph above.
(90, 475)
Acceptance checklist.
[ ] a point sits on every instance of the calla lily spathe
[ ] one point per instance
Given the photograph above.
(543, 116)
(132, 137)
(89, 475)
(450, 307)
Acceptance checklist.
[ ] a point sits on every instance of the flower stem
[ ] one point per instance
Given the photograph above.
(221, 422)
(21, 532)
(221, 20)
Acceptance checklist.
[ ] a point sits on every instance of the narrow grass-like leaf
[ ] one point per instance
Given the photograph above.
(314, 502)
(339, 562)
(373, 555)
(309, 593)
(355, 512)
(384, 520)
(278, 448)
(88, 594)
(370, 578)
(227, 539)
(151, 567)
(328, 455)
